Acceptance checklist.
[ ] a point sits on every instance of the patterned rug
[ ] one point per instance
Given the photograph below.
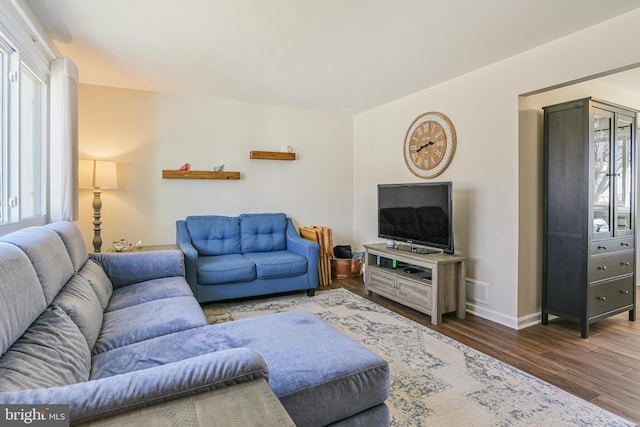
(435, 380)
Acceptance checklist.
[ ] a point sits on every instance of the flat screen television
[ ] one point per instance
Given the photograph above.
(418, 214)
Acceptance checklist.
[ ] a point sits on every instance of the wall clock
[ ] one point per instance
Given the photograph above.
(429, 144)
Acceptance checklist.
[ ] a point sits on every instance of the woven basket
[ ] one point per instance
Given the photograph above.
(346, 268)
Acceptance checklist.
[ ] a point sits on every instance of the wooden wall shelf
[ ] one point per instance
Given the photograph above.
(179, 174)
(272, 155)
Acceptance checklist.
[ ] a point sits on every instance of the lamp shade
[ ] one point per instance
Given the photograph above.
(97, 174)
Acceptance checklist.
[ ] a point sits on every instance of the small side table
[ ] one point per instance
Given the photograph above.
(249, 404)
(148, 248)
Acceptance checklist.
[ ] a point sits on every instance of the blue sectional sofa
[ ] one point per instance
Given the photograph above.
(249, 255)
(112, 333)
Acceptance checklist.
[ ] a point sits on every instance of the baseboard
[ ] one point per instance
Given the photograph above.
(511, 322)
(491, 315)
(529, 320)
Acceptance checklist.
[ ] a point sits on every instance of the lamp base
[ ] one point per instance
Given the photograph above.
(97, 223)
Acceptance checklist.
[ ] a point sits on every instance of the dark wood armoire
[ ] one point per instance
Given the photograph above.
(589, 211)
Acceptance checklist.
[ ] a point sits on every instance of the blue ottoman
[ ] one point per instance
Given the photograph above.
(319, 374)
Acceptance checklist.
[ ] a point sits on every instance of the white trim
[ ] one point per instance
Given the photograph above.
(27, 222)
(494, 316)
(529, 320)
(27, 20)
(511, 322)
(22, 34)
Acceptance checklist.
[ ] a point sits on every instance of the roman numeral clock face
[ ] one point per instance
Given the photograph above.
(429, 145)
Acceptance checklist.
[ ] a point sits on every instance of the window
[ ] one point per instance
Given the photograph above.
(23, 155)
(31, 146)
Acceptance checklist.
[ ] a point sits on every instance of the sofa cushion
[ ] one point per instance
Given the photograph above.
(263, 232)
(149, 290)
(214, 234)
(128, 268)
(277, 264)
(214, 270)
(73, 241)
(51, 353)
(47, 254)
(158, 351)
(148, 320)
(81, 304)
(99, 281)
(21, 296)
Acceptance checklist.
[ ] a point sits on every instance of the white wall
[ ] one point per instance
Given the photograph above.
(485, 171)
(342, 159)
(148, 132)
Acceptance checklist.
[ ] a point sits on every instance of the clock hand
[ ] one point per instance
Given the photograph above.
(425, 146)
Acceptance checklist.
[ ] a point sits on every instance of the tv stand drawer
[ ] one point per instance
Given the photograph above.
(412, 293)
(382, 283)
(415, 294)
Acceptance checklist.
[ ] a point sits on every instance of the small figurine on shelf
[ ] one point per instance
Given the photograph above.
(139, 244)
(184, 167)
(218, 168)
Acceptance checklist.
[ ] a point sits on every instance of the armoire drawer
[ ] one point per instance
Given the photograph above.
(612, 245)
(609, 296)
(606, 266)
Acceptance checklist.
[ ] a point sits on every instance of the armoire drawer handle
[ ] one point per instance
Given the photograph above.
(602, 298)
(602, 247)
(624, 292)
(602, 267)
(624, 244)
(626, 263)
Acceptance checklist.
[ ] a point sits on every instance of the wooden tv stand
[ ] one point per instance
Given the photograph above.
(435, 285)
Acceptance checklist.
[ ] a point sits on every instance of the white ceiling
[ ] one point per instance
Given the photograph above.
(333, 55)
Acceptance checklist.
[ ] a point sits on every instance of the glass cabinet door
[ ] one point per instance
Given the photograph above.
(602, 137)
(623, 183)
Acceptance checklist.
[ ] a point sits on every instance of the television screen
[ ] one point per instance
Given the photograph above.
(419, 214)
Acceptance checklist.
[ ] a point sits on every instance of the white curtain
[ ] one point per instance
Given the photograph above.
(63, 140)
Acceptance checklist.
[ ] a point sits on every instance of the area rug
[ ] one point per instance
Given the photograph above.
(435, 380)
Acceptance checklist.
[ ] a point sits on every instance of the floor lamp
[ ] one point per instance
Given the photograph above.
(98, 175)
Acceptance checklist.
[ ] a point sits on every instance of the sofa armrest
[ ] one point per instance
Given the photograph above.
(183, 240)
(127, 268)
(109, 396)
(306, 248)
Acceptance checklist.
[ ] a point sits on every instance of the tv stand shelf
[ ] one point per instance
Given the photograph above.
(443, 293)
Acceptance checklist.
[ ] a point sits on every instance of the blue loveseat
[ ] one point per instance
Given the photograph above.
(249, 255)
(112, 333)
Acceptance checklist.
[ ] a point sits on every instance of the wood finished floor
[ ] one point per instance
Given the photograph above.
(603, 369)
